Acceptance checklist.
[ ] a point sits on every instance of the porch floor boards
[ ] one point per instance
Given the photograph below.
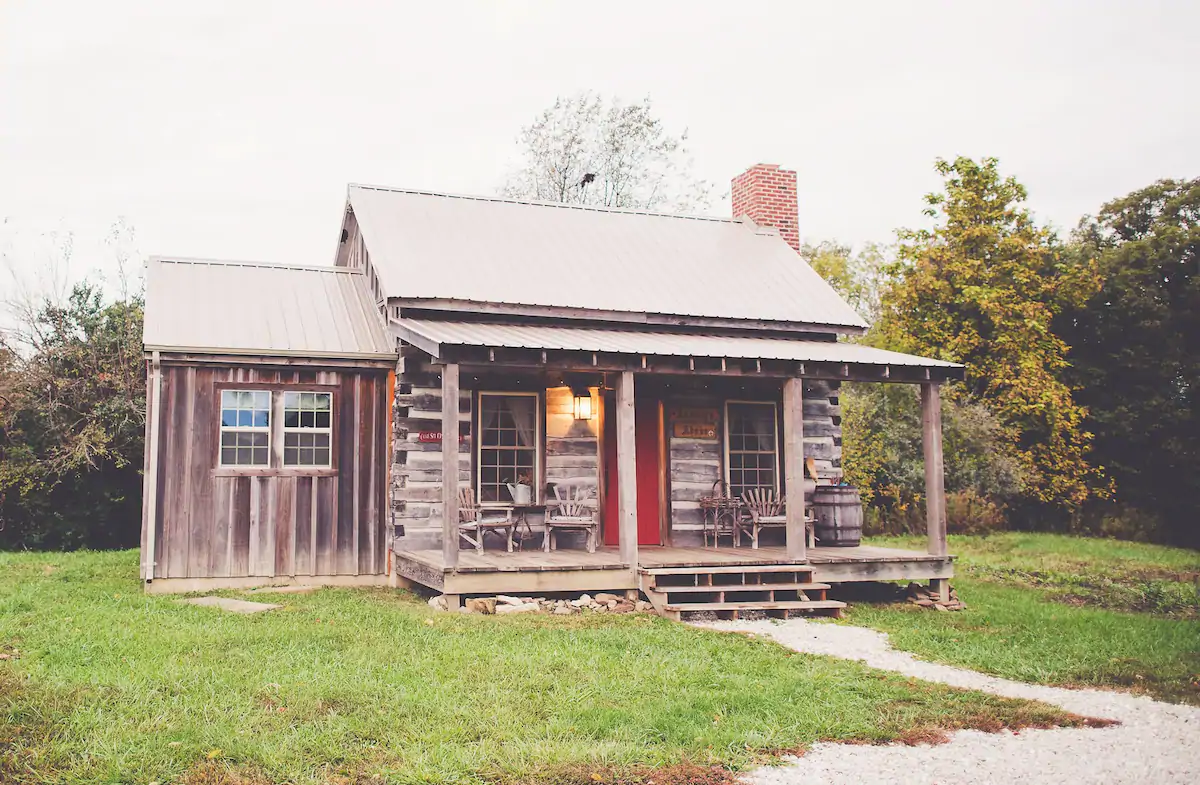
(659, 557)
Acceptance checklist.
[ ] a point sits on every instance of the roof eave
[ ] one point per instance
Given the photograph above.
(451, 305)
(246, 352)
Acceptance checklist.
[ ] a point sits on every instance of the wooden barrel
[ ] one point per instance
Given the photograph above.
(839, 515)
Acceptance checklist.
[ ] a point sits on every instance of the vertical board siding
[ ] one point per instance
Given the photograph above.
(215, 524)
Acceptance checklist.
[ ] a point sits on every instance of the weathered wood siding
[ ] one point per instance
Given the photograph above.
(695, 464)
(416, 482)
(228, 523)
(570, 447)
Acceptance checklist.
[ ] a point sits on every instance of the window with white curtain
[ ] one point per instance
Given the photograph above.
(509, 438)
(751, 447)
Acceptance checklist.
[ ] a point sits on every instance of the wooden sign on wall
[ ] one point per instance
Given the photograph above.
(430, 437)
(691, 422)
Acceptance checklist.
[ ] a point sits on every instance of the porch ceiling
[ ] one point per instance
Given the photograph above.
(458, 341)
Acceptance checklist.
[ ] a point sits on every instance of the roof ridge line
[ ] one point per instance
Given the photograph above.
(540, 203)
(200, 261)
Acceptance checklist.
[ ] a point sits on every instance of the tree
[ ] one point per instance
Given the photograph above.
(858, 277)
(71, 425)
(1135, 351)
(589, 150)
(983, 288)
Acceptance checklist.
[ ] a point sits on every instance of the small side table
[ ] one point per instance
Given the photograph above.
(520, 513)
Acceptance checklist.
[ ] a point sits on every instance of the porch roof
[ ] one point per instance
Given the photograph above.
(441, 338)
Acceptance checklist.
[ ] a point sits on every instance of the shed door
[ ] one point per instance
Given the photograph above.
(647, 425)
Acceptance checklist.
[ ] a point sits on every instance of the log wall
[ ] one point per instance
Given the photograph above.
(695, 464)
(570, 448)
(213, 522)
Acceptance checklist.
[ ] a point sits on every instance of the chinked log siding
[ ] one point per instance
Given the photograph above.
(214, 522)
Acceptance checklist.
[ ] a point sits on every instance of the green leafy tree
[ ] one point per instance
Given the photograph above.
(1135, 351)
(983, 287)
(858, 277)
(71, 425)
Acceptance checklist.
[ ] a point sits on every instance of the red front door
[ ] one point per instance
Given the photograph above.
(648, 438)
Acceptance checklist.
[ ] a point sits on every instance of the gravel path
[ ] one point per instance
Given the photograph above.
(1155, 742)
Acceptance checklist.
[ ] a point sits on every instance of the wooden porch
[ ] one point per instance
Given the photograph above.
(500, 572)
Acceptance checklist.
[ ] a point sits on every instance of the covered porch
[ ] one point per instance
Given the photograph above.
(648, 468)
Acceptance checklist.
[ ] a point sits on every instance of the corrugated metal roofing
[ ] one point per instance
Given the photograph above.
(243, 308)
(589, 339)
(437, 246)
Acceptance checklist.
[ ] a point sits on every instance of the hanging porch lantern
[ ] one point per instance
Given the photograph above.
(583, 403)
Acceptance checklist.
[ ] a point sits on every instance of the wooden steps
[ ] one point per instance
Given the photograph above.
(777, 590)
(764, 606)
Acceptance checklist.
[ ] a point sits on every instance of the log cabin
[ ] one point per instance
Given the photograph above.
(625, 401)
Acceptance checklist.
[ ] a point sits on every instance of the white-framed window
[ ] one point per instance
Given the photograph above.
(245, 428)
(751, 447)
(308, 429)
(509, 445)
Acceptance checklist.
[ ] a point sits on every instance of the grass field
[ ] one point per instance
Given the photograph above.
(105, 684)
(1062, 610)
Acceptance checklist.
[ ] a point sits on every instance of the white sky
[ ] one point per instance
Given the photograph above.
(230, 129)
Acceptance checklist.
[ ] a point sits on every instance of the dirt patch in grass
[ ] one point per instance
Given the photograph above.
(684, 773)
(30, 719)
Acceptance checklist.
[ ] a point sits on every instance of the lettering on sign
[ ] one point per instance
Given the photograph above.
(694, 422)
(695, 430)
(427, 437)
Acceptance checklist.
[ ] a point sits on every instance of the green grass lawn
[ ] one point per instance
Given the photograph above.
(1062, 610)
(111, 685)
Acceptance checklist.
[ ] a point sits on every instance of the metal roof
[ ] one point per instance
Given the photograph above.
(436, 246)
(431, 335)
(199, 305)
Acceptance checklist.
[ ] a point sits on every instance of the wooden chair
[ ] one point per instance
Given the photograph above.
(475, 521)
(571, 509)
(766, 510)
(719, 516)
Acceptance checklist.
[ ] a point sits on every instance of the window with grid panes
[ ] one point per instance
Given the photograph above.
(508, 444)
(245, 428)
(751, 453)
(307, 429)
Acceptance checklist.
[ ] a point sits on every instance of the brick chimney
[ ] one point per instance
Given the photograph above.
(766, 194)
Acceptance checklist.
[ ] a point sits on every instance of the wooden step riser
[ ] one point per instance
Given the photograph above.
(813, 605)
(738, 579)
(805, 586)
(724, 570)
(748, 598)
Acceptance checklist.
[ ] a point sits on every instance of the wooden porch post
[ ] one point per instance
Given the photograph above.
(450, 465)
(793, 469)
(627, 471)
(935, 484)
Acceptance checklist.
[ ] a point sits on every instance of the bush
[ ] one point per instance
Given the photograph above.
(71, 426)
(882, 454)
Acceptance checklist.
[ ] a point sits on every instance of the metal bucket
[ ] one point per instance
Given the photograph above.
(839, 514)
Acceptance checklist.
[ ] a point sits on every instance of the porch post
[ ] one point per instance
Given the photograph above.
(793, 469)
(627, 471)
(935, 484)
(450, 465)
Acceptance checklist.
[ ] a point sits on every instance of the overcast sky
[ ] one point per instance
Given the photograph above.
(230, 129)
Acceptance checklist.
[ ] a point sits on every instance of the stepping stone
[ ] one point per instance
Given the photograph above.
(233, 606)
(284, 590)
